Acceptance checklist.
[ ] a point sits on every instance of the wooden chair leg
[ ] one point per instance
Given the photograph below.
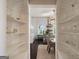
(48, 49)
(54, 50)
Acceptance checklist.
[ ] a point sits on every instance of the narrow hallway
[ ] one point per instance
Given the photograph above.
(42, 31)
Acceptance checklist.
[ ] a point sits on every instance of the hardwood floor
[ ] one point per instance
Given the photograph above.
(33, 50)
(43, 53)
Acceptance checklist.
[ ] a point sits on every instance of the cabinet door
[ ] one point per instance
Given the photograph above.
(71, 26)
(68, 29)
(67, 10)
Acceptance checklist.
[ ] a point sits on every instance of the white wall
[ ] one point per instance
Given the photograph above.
(3, 21)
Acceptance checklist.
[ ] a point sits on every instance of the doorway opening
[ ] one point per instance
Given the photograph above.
(42, 31)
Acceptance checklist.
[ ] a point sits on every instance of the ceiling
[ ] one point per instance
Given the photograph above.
(40, 10)
(43, 2)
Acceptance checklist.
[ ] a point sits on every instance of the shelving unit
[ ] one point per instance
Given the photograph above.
(51, 27)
